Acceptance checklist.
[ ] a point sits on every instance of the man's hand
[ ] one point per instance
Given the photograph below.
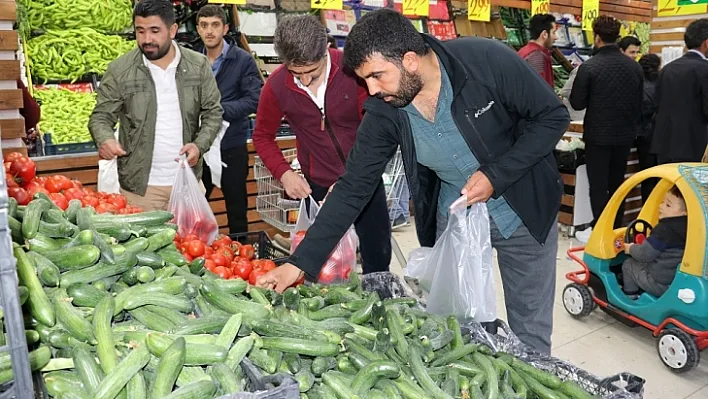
(478, 188)
(280, 278)
(295, 185)
(192, 152)
(110, 149)
(627, 247)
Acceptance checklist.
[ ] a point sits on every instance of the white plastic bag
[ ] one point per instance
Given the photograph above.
(108, 176)
(192, 212)
(457, 272)
(342, 260)
(213, 157)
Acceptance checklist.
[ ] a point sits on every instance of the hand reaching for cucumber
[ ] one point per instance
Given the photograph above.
(280, 278)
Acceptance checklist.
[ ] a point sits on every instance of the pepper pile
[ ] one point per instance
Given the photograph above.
(65, 114)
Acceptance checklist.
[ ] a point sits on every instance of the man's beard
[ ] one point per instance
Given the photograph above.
(160, 53)
(408, 88)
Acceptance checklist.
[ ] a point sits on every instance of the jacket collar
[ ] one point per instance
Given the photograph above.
(606, 49)
(695, 54)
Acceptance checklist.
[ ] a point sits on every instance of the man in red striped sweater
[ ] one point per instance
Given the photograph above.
(323, 104)
(537, 53)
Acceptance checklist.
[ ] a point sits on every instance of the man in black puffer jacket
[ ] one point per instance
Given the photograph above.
(610, 87)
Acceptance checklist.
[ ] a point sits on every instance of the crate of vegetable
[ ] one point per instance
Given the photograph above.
(122, 312)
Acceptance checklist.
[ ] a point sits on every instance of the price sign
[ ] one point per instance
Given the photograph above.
(670, 8)
(420, 8)
(236, 2)
(540, 7)
(326, 4)
(479, 10)
(591, 10)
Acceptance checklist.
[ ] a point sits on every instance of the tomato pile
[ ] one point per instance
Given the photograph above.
(339, 264)
(226, 258)
(22, 184)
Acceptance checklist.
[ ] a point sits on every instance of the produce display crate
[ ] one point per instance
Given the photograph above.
(262, 244)
(63, 149)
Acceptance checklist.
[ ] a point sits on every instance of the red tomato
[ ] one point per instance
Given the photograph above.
(66, 184)
(194, 248)
(221, 241)
(297, 239)
(327, 275)
(236, 248)
(10, 181)
(187, 257)
(33, 189)
(13, 155)
(267, 265)
(19, 194)
(77, 184)
(7, 166)
(89, 200)
(247, 251)
(209, 251)
(253, 277)
(242, 268)
(222, 272)
(59, 200)
(40, 180)
(191, 237)
(74, 193)
(53, 185)
(178, 238)
(226, 252)
(106, 208)
(118, 201)
(209, 265)
(220, 259)
(23, 169)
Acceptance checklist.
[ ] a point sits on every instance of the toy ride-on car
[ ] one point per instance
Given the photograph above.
(679, 317)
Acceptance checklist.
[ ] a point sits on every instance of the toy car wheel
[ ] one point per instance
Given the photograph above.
(577, 300)
(678, 350)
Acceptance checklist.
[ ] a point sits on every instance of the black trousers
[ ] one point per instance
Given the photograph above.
(373, 227)
(233, 185)
(646, 160)
(606, 166)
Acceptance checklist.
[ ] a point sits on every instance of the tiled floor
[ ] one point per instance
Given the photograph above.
(599, 343)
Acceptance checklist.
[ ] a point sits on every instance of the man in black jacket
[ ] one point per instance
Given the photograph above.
(682, 96)
(240, 85)
(610, 87)
(471, 118)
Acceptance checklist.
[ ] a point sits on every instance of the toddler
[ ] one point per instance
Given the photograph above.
(652, 265)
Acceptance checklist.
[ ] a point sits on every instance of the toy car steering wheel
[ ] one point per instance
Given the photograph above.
(637, 232)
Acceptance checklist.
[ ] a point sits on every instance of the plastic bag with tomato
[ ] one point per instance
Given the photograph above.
(193, 215)
(457, 272)
(342, 260)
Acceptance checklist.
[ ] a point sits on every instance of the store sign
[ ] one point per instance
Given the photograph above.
(479, 10)
(591, 10)
(326, 4)
(540, 7)
(670, 8)
(419, 8)
(235, 2)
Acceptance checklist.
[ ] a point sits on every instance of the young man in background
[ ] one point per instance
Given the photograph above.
(537, 53)
(167, 102)
(629, 45)
(322, 102)
(239, 82)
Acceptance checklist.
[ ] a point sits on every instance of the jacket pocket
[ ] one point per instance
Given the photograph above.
(136, 100)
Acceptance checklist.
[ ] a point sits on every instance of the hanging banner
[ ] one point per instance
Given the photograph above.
(420, 8)
(540, 7)
(670, 8)
(326, 4)
(479, 10)
(235, 2)
(591, 10)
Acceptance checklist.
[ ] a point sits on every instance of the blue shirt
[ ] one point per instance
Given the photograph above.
(217, 62)
(441, 147)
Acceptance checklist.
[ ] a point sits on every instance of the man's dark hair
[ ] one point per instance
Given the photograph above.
(212, 11)
(300, 40)
(650, 64)
(540, 23)
(627, 41)
(696, 33)
(155, 8)
(608, 28)
(332, 42)
(383, 31)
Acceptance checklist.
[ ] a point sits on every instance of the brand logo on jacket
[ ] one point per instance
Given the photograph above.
(482, 110)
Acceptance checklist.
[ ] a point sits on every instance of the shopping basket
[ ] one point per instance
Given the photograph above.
(272, 203)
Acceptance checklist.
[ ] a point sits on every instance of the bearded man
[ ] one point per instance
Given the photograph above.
(159, 93)
(537, 53)
(471, 119)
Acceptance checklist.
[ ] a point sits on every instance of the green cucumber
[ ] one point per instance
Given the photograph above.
(176, 302)
(547, 379)
(84, 294)
(233, 286)
(201, 389)
(150, 259)
(89, 371)
(106, 348)
(152, 230)
(168, 369)
(172, 286)
(367, 377)
(205, 325)
(56, 230)
(339, 384)
(136, 245)
(99, 271)
(196, 354)
(491, 388)
(305, 380)
(40, 307)
(454, 325)
(232, 305)
(331, 311)
(541, 390)
(136, 388)
(150, 218)
(58, 382)
(322, 365)
(72, 210)
(172, 256)
(151, 320)
(32, 216)
(421, 375)
(363, 315)
(238, 351)
(339, 295)
(300, 346)
(42, 244)
(262, 360)
(74, 258)
(47, 271)
(161, 240)
(83, 238)
(274, 328)
(226, 379)
(575, 391)
(230, 331)
(145, 274)
(117, 379)
(71, 318)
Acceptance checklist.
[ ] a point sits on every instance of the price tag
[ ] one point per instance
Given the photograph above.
(420, 8)
(591, 10)
(326, 4)
(540, 7)
(236, 2)
(479, 10)
(670, 8)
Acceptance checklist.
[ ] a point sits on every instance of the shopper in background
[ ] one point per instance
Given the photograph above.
(167, 102)
(682, 96)
(322, 102)
(240, 83)
(609, 87)
(31, 112)
(537, 53)
(650, 64)
(630, 45)
(471, 118)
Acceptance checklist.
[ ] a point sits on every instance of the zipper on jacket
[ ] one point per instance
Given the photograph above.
(335, 142)
(476, 132)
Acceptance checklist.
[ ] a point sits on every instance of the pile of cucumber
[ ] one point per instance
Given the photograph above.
(114, 311)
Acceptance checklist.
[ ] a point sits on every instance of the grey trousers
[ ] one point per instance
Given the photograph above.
(635, 276)
(528, 272)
